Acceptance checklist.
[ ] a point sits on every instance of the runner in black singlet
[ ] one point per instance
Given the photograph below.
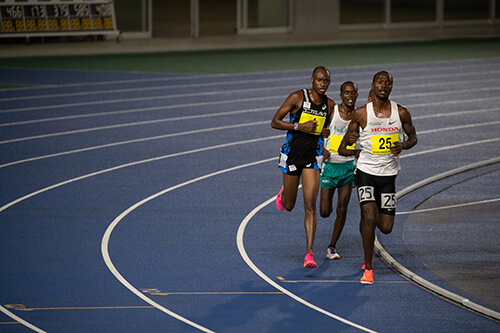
(301, 155)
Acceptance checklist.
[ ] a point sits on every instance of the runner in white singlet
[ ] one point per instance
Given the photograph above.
(337, 171)
(380, 126)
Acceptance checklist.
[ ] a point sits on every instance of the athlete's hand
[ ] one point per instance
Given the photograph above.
(326, 153)
(396, 148)
(309, 126)
(352, 137)
(326, 132)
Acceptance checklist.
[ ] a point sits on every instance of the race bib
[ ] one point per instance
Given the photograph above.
(381, 144)
(388, 201)
(305, 117)
(334, 144)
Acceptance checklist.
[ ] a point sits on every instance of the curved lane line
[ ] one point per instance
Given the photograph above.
(416, 278)
(448, 207)
(12, 203)
(30, 195)
(248, 261)
(107, 235)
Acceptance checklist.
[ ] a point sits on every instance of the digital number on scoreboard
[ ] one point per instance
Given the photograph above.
(48, 16)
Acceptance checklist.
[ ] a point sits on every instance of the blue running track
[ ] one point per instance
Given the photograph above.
(143, 202)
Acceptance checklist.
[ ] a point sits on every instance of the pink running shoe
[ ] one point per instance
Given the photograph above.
(279, 204)
(309, 260)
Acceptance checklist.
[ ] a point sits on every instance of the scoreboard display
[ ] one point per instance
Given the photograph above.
(25, 18)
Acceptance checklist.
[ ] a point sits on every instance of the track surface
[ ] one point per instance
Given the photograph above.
(137, 202)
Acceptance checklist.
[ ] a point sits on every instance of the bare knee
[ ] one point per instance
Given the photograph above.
(309, 207)
(385, 223)
(289, 206)
(385, 229)
(325, 212)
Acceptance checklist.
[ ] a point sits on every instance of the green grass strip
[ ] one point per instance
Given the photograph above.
(270, 59)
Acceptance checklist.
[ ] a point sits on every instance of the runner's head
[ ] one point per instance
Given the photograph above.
(382, 85)
(349, 94)
(320, 80)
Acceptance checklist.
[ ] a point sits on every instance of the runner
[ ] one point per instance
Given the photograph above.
(380, 127)
(338, 171)
(301, 155)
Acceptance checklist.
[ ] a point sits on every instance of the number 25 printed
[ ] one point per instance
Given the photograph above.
(385, 143)
(366, 193)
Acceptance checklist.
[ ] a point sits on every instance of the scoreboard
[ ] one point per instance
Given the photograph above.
(30, 18)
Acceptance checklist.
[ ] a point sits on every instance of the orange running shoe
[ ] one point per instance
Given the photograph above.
(309, 260)
(367, 277)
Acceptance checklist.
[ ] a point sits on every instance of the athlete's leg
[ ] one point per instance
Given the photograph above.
(344, 195)
(367, 227)
(310, 187)
(326, 201)
(289, 195)
(385, 222)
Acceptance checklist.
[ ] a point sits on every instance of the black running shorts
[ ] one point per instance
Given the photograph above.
(378, 189)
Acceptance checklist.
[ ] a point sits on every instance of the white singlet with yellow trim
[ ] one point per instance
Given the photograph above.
(338, 128)
(375, 142)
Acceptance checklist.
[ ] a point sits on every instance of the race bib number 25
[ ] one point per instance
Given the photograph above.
(381, 144)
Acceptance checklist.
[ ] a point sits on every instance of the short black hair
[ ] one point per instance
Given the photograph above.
(348, 82)
(383, 72)
(320, 68)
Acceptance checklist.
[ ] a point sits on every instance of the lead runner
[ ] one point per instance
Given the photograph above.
(380, 125)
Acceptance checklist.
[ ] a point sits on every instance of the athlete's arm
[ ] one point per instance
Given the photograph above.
(352, 133)
(409, 130)
(291, 104)
(326, 127)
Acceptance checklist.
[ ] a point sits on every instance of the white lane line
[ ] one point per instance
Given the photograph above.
(248, 261)
(452, 128)
(203, 115)
(416, 278)
(429, 65)
(21, 321)
(446, 148)
(155, 98)
(225, 101)
(254, 140)
(236, 82)
(107, 235)
(156, 108)
(231, 92)
(44, 136)
(86, 130)
(30, 195)
(448, 207)
(156, 87)
(76, 151)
